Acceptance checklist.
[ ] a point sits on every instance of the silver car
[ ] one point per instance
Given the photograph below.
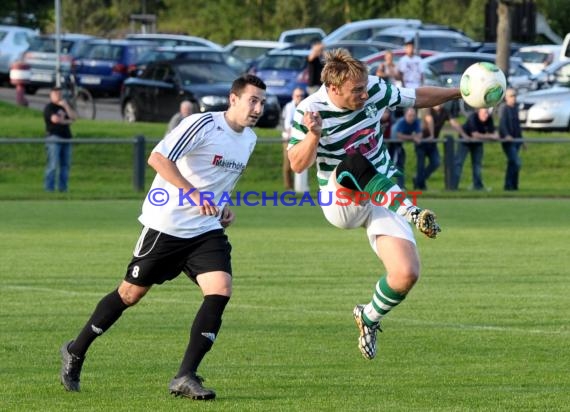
(14, 41)
(549, 108)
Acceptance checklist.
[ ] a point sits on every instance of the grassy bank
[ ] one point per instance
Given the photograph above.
(106, 170)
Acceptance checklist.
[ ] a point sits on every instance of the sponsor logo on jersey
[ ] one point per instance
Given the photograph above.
(228, 164)
(370, 110)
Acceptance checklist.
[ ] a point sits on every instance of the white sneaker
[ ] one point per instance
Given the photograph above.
(367, 338)
(424, 220)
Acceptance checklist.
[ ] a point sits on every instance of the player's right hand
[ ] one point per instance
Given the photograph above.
(313, 121)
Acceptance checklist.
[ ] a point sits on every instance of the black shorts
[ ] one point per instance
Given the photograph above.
(159, 257)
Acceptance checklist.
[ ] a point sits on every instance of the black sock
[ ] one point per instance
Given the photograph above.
(108, 310)
(203, 332)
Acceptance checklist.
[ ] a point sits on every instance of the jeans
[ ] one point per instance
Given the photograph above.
(58, 156)
(514, 164)
(476, 150)
(423, 151)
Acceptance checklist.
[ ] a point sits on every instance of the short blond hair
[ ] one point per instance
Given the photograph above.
(341, 66)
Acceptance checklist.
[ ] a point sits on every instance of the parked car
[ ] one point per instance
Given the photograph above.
(536, 58)
(365, 29)
(438, 40)
(164, 39)
(105, 64)
(42, 57)
(360, 49)
(156, 94)
(283, 71)
(547, 109)
(490, 47)
(305, 35)
(249, 50)
(556, 74)
(189, 52)
(450, 67)
(14, 41)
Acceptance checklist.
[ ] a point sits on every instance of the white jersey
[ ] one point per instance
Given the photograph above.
(411, 69)
(212, 157)
(347, 131)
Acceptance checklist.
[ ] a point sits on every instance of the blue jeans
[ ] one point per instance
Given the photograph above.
(423, 151)
(476, 151)
(58, 156)
(514, 164)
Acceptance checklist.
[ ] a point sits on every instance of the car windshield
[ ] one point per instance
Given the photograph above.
(205, 72)
(47, 45)
(533, 56)
(283, 62)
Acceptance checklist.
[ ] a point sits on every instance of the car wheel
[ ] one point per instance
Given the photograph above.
(130, 112)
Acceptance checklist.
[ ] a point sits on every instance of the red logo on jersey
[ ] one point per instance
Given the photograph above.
(217, 159)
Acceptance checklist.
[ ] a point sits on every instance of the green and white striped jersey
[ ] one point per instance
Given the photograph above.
(347, 131)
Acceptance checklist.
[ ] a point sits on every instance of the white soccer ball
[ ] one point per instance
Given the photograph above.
(483, 84)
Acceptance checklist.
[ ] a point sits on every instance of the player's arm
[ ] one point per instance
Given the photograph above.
(457, 127)
(168, 170)
(429, 96)
(303, 154)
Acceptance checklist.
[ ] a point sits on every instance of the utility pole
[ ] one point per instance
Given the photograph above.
(57, 42)
(504, 35)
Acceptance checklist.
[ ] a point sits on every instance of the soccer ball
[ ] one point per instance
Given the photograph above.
(483, 84)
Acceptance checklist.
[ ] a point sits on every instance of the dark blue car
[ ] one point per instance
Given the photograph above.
(104, 64)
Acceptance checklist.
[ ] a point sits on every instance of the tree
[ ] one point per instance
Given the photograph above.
(503, 34)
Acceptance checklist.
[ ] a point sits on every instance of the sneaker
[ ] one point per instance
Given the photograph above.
(424, 220)
(70, 368)
(190, 386)
(367, 338)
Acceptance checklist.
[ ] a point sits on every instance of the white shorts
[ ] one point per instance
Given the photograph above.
(377, 220)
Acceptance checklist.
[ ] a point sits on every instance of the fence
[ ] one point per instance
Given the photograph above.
(139, 144)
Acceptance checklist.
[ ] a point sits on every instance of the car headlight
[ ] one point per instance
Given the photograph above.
(214, 100)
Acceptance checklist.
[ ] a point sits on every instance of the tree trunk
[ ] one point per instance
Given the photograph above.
(503, 36)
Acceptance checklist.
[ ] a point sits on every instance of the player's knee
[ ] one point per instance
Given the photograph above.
(354, 172)
(131, 294)
(404, 279)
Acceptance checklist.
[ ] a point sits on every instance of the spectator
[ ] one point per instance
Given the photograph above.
(410, 67)
(315, 66)
(58, 116)
(509, 131)
(184, 111)
(387, 70)
(433, 120)
(288, 113)
(478, 126)
(408, 128)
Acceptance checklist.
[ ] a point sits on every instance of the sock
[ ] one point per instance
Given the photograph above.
(108, 310)
(203, 333)
(388, 194)
(383, 301)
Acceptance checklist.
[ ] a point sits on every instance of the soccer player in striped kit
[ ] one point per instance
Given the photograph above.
(183, 232)
(339, 128)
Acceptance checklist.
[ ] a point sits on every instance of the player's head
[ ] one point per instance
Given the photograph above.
(247, 100)
(346, 79)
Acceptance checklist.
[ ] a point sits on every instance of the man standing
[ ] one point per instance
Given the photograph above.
(509, 131)
(58, 116)
(433, 120)
(339, 128)
(406, 129)
(197, 166)
(184, 111)
(478, 126)
(410, 66)
(287, 115)
(315, 66)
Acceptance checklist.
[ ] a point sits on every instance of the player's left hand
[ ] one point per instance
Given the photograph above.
(227, 217)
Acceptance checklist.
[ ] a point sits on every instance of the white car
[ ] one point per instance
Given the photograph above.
(249, 50)
(165, 40)
(14, 41)
(547, 109)
(536, 58)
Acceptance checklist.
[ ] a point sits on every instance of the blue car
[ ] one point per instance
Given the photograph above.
(283, 71)
(105, 64)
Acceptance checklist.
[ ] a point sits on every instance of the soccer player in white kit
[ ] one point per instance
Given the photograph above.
(339, 128)
(198, 164)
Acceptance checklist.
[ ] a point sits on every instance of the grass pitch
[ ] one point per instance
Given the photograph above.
(485, 329)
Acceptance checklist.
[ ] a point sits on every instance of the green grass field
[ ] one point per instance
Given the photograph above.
(485, 329)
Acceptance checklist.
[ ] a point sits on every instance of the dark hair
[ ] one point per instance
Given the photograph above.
(241, 82)
(56, 89)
